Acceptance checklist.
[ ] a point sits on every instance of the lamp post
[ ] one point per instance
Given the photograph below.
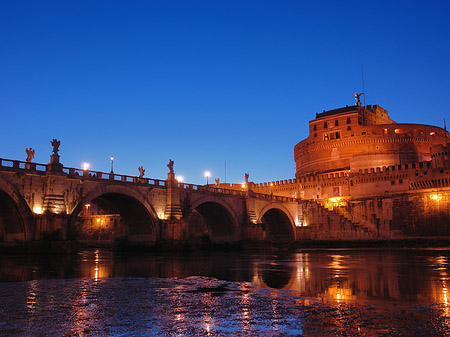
(85, 166)
(207, 174)
(112, 164)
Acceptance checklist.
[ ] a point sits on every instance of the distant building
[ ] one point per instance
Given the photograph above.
(357, 138)
(391, 178)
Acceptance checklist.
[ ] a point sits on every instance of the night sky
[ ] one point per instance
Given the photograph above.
(209, 82)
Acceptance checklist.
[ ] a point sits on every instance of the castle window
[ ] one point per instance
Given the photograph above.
(363, 133)
(315, 134)
(315, 127)
(338, 135)
(392, 182)
(336, 123)
(349, 120)
(325, 125)
(400, 181)
(349, 128)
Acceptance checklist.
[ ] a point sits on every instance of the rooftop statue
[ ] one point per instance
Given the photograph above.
(55, 144)
(170, 165)
(141, 171)
(246, 177)
(30, 154)
(358, 102)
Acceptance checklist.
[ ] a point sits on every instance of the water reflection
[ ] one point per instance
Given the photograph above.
(340, 276)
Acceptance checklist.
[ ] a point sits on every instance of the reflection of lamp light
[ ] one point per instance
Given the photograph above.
(207, 175)
(87, 208)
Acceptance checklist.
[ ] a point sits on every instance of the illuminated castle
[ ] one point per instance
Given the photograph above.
(355, 138)
(392, 178)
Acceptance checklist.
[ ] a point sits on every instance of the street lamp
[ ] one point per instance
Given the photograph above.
(207, 175)
(112, 164)
(180, 179)
(87, 208)
(85, 166)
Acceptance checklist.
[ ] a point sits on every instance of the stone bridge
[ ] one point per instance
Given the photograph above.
(37, 198)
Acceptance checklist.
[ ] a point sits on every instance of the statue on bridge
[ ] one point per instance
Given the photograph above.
(141, 171)
(217, 181)
(30, 154)
(55, 144)
(246, 178)
(170, 165)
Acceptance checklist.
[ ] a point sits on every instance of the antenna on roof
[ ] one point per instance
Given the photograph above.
(445, 131)
(364, 92)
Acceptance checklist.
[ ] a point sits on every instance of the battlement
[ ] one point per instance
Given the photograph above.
(276, 183)
(365, 173)
(373, 181)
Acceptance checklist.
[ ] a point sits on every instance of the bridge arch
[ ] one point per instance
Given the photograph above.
(217, 218)
(16, 218)
(133, 215)
(277, 222)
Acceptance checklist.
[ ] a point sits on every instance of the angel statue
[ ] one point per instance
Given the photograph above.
(30, 154)
(170, 165)
(141, 171)
(55, 144)
(217, 181)
(246, 177)
(358, 102)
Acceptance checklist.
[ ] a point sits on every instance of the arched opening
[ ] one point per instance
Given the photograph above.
(11, 224)
(212, 220)
(277, 225)
(113, 215)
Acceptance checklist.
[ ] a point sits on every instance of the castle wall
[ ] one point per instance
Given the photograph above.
(410, 200)
(368, 146)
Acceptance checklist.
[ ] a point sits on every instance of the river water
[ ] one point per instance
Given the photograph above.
(306, 293)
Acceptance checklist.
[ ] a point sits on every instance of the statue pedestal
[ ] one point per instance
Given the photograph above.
(173, 207)
(54, 164)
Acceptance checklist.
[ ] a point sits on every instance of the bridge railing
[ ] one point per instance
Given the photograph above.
(98, 175)
(210, 188)
(274, 197)
(22, 165)
(17, 165)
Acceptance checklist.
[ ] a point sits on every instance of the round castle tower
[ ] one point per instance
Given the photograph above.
(356, 138)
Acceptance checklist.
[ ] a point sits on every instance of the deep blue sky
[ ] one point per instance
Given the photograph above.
(204, 82)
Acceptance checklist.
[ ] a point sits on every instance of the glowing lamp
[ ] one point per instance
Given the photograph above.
(207, 175)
